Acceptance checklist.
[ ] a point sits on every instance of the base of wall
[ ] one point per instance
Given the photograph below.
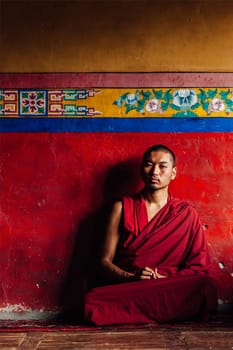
(225, 308)
(20, 312)
(11, 314)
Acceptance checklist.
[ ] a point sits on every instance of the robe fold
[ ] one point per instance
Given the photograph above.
(173, 242)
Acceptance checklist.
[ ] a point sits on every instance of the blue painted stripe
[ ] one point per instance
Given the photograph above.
(116, 125)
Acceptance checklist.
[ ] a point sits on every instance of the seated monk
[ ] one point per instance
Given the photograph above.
(156, 245)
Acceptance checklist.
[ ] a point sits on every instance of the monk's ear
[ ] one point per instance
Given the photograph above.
(173, 173)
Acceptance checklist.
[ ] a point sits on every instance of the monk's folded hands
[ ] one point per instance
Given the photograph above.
(157, 275)
(145, 273)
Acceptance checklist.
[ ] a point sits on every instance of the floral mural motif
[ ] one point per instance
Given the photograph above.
(216, 105)
(184, 100)
(153, 105)
(216, 101)
(180, 102)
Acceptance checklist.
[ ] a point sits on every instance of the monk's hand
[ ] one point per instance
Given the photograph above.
(146, 273)
(158, 275)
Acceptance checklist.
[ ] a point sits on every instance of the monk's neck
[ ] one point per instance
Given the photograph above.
(155, 201)
(158, 198)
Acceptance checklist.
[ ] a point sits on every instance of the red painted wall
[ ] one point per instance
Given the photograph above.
(54, 187)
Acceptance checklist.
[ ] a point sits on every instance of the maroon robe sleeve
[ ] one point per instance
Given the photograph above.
(198, 258)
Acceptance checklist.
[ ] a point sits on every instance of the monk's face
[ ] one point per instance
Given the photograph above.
(158, 170)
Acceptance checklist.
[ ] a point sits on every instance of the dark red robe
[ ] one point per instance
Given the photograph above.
(173, 242)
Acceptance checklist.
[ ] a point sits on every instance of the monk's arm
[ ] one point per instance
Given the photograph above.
(107, 267)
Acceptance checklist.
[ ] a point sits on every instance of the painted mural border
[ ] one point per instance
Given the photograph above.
(116, 125)
(200, 102)
(108, 80)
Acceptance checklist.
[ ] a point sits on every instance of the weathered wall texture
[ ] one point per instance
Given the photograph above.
(55, 185)
(105, 36)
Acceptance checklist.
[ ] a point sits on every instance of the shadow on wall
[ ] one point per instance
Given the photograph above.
(121, 179)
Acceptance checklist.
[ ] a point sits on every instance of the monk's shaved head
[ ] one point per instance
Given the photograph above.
(159, 147)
